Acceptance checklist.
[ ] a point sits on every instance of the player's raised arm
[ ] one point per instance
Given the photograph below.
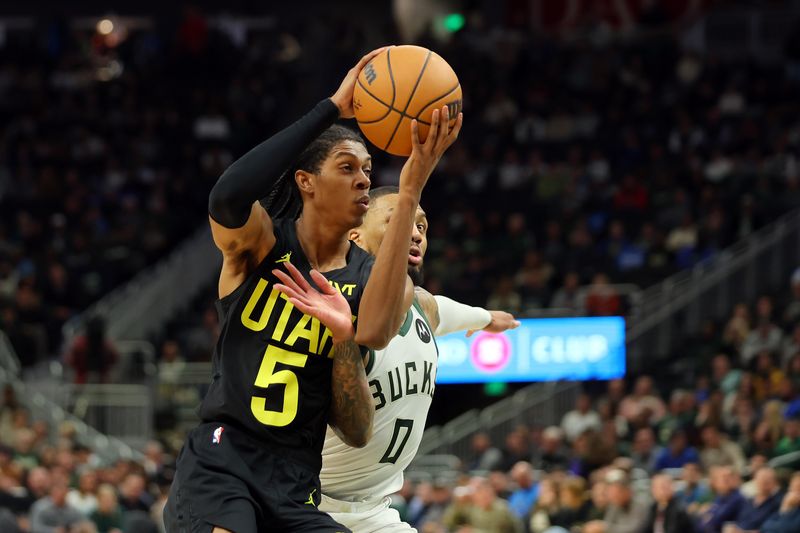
(389, 291)
(448, 316)
(242, 229)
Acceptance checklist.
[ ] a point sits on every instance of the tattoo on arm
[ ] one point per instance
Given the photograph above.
(352, 409)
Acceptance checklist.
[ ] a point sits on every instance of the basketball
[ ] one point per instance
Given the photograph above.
(401, 84)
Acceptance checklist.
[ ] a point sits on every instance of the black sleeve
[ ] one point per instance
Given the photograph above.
(252, 176)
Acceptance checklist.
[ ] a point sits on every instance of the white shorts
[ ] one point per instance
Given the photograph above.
(366, 517)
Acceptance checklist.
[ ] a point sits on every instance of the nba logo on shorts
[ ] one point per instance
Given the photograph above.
(217, 435)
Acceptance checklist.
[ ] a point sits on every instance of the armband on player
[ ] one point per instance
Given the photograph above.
(454, 316)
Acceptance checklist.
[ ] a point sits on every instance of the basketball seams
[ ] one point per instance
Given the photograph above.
(410, 97)
(391, 74)
(388, 110)
(360, 84)
(378, 126)
(433, 100)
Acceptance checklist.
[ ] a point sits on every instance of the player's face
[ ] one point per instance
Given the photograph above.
(370, 234)
(340, 190)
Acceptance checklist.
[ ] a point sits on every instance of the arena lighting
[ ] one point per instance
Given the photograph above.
(105, 27)
(541, 349)
(453, 22)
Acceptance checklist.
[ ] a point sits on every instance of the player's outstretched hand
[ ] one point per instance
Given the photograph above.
(425, 156)
(501, 321)
(343, 97)
(323, 303)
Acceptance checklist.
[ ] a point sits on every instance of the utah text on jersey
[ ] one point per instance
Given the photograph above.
(317, 339)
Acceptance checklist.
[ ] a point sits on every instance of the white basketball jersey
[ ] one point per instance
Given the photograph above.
(401, 378)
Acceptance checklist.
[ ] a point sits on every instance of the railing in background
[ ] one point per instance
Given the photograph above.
(676, 308)
(541, 404)
(141, 306)
(8, 357)
(121, 411)
(107, 448)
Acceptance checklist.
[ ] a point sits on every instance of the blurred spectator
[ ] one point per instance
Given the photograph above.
(599, 500)
(133, 496)
(515, 450)
(727, 501)
(482, 510)
(504, 297)
(154, 460)
(574, 506)
(569, 296)
(643, 402)
(625, 513)
(695, 492)
(790, 442)
(171, 363)
(524, 498)
(738, 327)
(484, 455)
(419, 503)
(677, 453)
(645, 451)
(540, 517)
(766, 337)
(667, 514)
(108, 515)
(52, 513)
(718, 450)
(787, 520)
(91, 355)
(501, 483)
(549, 455)
(581, 418)
(723, 376)
(601, 298)
(83, 498)
(679, 415)
(757, 510)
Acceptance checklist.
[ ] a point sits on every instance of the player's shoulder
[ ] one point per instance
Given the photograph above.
(428, 305)
(360, 260)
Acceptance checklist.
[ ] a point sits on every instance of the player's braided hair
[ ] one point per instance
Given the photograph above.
(284, 201)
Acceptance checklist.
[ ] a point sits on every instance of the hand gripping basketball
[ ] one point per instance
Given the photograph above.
(324, 303)
(425, 156)
(343, 97)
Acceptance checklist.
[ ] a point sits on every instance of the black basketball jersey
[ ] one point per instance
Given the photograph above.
(272, 363)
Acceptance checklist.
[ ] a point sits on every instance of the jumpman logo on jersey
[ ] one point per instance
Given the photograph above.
(285, 258)
(311, 498)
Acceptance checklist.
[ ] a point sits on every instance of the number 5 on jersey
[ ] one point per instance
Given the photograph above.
(268, 376)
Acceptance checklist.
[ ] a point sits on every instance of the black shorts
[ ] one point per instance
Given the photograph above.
(229, 480)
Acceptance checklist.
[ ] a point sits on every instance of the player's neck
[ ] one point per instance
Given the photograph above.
(324, 245)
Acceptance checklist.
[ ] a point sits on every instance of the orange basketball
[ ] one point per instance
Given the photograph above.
(401, 84)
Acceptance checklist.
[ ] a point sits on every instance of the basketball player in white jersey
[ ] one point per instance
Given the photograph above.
(356, 483)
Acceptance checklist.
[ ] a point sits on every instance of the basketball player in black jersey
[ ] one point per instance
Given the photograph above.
(281, 374)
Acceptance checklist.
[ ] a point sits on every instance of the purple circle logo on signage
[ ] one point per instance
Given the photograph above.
(490, 352)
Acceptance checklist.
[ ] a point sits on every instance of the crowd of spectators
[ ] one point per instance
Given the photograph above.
(709, 453)
(682, 455)
(578, 166)
(52, 483)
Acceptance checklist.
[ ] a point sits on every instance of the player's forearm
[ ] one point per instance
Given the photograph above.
(385, 302)
(252, 176)
(352, 410)
(455, 316)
